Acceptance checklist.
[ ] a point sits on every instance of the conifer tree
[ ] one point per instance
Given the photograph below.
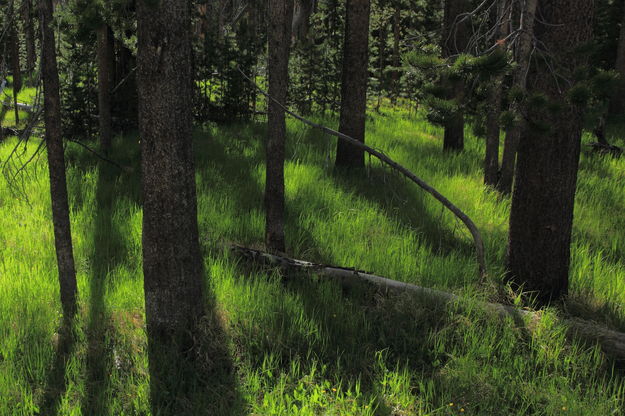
(354, 83)
(541, 217)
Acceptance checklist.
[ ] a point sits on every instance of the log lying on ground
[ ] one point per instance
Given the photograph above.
(611, 342)
(477, 238)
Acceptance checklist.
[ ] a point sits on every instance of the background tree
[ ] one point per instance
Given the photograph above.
(172, 264)
(522, 55)
(617, 106)
(106, 68)
(491, 157)
(354, 83)
(56, 163)
(16, 69)
(542, 203)
(280, 14)
(29, 32)
(454, 41)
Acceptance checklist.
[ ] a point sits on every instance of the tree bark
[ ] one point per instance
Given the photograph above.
(300, 21)
(280, 15)
(172, 263)
(16, 70)
(523, 54)
(106, 69)
(455, 38)
(56, 164)
(541, 217)
(491, 157)
(396, 61)
(31, 56)
(354, 84)
(617, 104)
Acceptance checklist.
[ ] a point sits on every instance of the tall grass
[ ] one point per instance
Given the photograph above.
(298, 345)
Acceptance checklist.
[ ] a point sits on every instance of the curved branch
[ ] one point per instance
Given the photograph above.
(477, 238)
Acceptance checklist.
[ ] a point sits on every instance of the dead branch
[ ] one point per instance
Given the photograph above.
(477, 238)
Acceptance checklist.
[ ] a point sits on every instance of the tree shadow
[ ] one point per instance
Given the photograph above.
(110, 249)
(56, 384)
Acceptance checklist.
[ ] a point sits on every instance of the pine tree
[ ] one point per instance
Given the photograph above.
(280, 14)
(541, 217)
(354, 84)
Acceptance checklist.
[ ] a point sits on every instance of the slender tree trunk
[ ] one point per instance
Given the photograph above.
(455, 39)
(31, 57)
(172, 264)
(15, 61)
(396, 61)
(523, 54)
(617, 105)
(280, 15)
(56, 164)
(106, 69)
(383, 34)
(300, 21)
(354, 84)
(541, 217)
(491, 158)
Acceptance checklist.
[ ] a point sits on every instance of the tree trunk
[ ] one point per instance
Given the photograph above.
(56, 164)
(491, 158)
(541, 217)
(396, 62)
(106, 69)
(523, 54)
(172, 264)
(15, 61)
(455, 38)
(31, 57)
(280, 15)
(354, 84)
(617, 105)
(300, 21)
(383, 34)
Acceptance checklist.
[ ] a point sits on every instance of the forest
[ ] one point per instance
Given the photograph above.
(312, 207)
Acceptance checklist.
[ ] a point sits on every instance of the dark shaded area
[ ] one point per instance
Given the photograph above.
(56, 385)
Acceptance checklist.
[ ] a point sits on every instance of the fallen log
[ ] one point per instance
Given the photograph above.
(477, 237)
(611, 342)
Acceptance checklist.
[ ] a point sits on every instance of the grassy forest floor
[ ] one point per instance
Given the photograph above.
(298, 345)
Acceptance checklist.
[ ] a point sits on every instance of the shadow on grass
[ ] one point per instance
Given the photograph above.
(109, 251)
(56, 384)
(197, 378)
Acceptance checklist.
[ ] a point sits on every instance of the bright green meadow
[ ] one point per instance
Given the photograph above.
(298, 344)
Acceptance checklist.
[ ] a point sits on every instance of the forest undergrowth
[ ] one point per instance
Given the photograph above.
(296, 344)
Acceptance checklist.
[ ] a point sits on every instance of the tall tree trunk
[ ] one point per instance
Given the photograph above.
(106, 69)
(300, 21)
(491, 158)
(354, 84)
(455, 38)
(56, 164)
(383, 34)
(523, 54)
(541, 217)
(617, 105)
(172, 264)
(280, 15)
(31, 57)
(15, 61)
(396, 60)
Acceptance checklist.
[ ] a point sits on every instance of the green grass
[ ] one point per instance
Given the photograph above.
(297, 345)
